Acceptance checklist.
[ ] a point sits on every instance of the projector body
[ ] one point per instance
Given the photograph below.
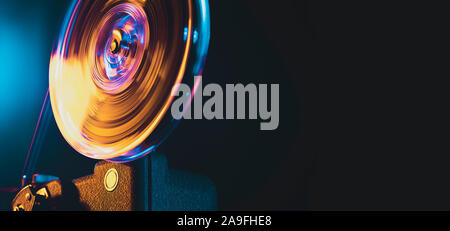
(146, 184)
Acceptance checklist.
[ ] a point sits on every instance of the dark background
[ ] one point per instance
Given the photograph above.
(364, 65)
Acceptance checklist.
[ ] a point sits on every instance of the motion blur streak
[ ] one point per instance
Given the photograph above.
(112, 72)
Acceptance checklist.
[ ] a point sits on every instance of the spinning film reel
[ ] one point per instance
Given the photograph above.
(112, 72)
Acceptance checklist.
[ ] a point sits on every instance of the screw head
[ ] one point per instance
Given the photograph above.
(111, 179)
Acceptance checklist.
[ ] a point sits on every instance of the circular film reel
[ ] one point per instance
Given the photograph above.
(113, 69)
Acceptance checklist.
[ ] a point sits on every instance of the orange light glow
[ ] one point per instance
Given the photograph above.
(112, 74)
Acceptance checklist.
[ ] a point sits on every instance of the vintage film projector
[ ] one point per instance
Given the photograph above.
(111, 74)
